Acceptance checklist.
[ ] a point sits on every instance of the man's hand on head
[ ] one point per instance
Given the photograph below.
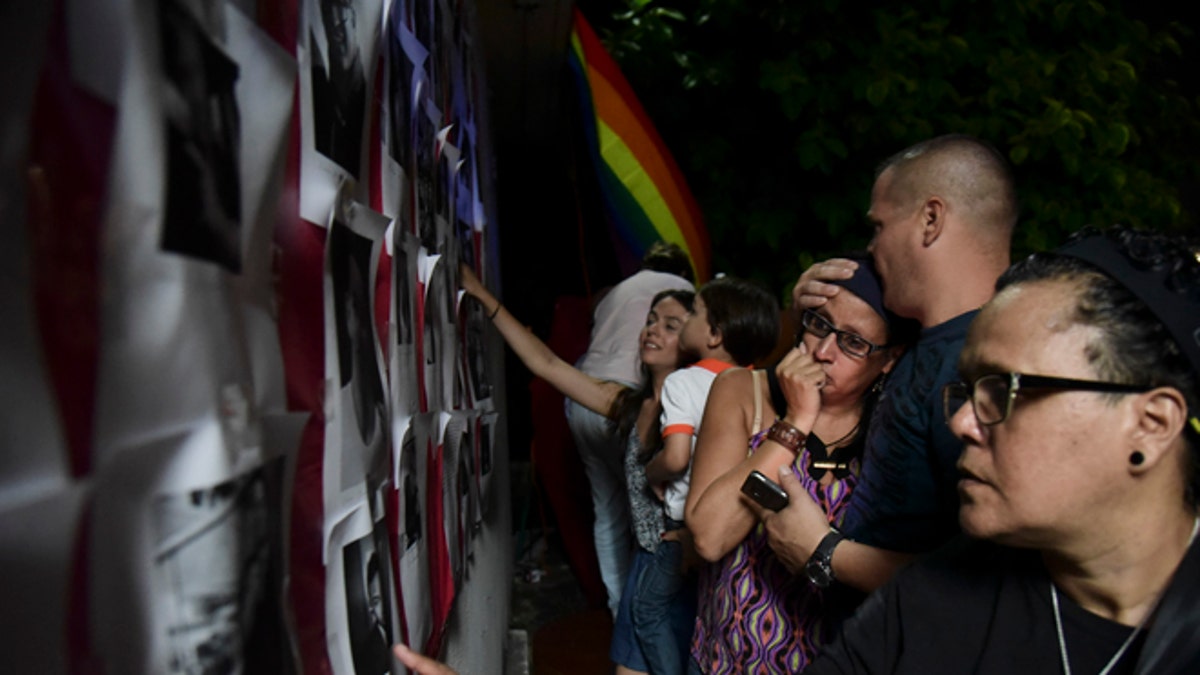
(813, 289)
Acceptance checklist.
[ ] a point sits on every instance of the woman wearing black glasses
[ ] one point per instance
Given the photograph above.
(1078, 416)
(755, 614)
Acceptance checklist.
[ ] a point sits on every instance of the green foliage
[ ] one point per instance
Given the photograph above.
(778, 111)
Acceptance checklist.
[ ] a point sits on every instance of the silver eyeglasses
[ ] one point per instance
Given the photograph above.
(992, 396)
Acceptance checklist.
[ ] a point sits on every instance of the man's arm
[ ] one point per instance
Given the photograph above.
(794, 533)
(868, 643)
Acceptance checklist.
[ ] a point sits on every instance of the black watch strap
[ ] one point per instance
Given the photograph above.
(819, 567)
(824, 549)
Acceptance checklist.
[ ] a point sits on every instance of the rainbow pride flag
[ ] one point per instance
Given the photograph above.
(644, 192)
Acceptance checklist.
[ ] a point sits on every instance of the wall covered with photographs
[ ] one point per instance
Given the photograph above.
(250, 422)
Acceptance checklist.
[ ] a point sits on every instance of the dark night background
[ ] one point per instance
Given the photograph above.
(778, 112)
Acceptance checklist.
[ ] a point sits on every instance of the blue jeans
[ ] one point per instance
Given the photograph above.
(664, 611)
(625, 649)
(603, 456)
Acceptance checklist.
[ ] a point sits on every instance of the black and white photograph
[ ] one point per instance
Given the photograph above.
(404, 283)
(485, 435)
(217, 574)
(365, 564)
(410, 488)
(474, 347)
(415, 590)
(437, 347)
(403, 52)
(357, 431)
(450, 449)
(426, 171)
(339, 84)
(402, 353)
(471, 459)
(202, 217)
(351, 267)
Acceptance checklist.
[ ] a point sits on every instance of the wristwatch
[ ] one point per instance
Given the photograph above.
(819, 568)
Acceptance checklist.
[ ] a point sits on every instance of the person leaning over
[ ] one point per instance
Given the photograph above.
(1078, 412)
(944, 211)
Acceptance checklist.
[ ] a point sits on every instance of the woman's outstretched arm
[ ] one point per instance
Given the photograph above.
(591, 393)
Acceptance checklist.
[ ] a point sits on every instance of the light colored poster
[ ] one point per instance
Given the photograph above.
(338, 43)
(412, 560)
(173, 313)
(454, 493)
(185, 554)
(218, 574)
(473, 518)
(485, 444)
(359, 603)
(435, 321)
(402, 352)
(362, 607)
(439, 524)
(356, 404)
(473, 376)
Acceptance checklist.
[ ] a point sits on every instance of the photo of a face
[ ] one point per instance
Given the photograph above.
(203, 130)
(368, 605)
(350, 260)
(339, 86)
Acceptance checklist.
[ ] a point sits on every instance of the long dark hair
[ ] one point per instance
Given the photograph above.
(625, 407)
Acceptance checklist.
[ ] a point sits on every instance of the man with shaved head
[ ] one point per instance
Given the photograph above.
(943, 212)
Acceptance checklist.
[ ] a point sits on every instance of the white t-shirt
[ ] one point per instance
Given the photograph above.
(684, 394)
(613, 351)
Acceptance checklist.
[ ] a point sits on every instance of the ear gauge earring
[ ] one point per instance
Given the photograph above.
(1136, 458)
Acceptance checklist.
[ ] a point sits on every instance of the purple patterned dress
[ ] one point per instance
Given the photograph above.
(757, 617)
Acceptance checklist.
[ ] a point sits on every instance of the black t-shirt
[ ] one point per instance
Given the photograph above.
(974, 607)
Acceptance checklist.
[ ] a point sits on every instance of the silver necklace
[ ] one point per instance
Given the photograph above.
(1062, 642)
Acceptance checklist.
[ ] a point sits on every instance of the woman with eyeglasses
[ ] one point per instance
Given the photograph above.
(1078, 415)
(756, 614)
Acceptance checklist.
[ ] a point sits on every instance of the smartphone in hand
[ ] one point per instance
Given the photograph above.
(764, 491)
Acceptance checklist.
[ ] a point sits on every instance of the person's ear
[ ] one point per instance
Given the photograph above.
(933, 219)
(715, 337)
(1159, 419)
(893, 355)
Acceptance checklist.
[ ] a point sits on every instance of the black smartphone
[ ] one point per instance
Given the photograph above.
(764, 491)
